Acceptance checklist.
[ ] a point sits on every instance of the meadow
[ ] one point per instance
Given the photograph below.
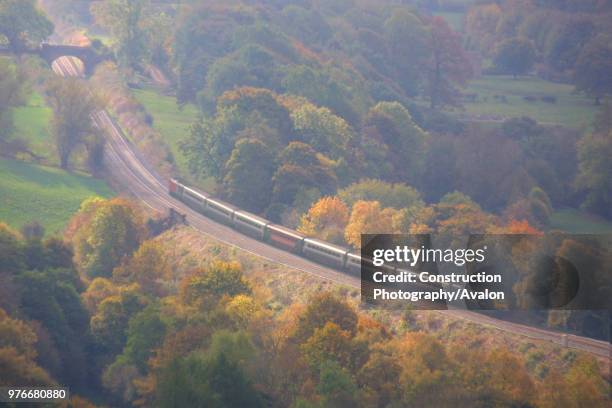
(31, 123)
(500, 96)
(30, 192)
(170, 120)
(578, 222)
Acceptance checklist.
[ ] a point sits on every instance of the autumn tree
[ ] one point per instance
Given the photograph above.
(204, 287)
(326, 220)
(396, 196)
(23, 24)
(148, 267)
(73, 106)
(110, 231)
(446, 66)
(515, 56)
(367, 217)
(321, 309)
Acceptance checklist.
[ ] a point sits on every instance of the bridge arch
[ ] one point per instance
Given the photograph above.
(89, 56)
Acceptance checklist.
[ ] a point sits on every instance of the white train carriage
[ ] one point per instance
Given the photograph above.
(220, 211)
(250, 224)
(194, 199)
(324, 253)
(284, 238)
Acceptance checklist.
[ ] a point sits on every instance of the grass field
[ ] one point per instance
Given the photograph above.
(577, 222)
(49, 195)
(569, 109)
(170, 121)
(32, 124)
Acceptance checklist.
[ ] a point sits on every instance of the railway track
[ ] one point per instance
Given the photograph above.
(129, 169)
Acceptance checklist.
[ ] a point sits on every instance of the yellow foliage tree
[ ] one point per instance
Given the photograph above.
(367, 217)
(326, 220)
(147, 267)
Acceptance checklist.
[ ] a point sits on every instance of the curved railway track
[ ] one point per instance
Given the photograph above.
(130, 171)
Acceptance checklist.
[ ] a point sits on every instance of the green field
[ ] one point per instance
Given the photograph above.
(570, 109)
(577, 222)
(49, 195)
(32, 125)
(169, 120)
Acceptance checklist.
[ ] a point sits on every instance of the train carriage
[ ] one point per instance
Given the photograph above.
(220, 211)
(324, 253)
(250, 224)
(284, 238)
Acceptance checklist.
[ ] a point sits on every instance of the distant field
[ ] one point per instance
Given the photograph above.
(569, 109)
(577, 222)
(49, 195)
(171, 122)
(32, 124)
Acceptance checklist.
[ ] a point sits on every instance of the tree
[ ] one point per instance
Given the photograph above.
(367, 217)
(397, 196)
(447, 65)
(592, 70)
(23, 24)
(124, 20)
(110, 322)
(73, 106)
(248, 175)
(147, 267)
(321, 309)
(515, 56)
(11, 94)
(113, 230)
(204, 287)
(391, 124)
(407, 40)
(595, 167)
(326, 220)
(324, 131)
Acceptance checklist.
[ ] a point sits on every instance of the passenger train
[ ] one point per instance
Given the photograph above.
(263, 230)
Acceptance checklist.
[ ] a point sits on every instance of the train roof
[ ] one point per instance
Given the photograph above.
(286, 230)
(326, 245)
(252, 217)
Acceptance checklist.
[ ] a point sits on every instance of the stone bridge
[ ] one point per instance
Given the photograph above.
(89, 55)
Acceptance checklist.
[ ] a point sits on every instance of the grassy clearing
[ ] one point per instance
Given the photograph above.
(569, 109)
(32, 125)
(578, 222)
(49, 195)
(169, 120)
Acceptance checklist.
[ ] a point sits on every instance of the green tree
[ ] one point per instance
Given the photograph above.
(23, 23)
(595, 168)
(324, 131)
(337, 387)
(124, 20)
(592, 70)
(407, 39)
(11, 94)
(248, 175)
(515, 56)
(73, 105)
